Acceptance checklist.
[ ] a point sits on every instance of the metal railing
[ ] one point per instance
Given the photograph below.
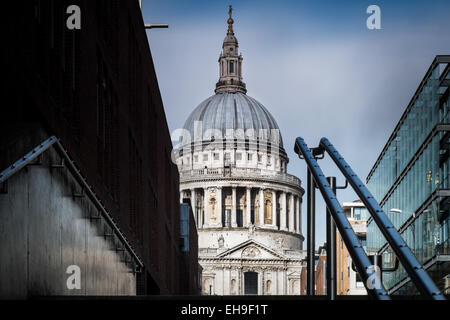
(53, 141)
(357, 253)
(418, 275)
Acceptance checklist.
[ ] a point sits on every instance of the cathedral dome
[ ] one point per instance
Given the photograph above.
(233, 113)
(233, 170)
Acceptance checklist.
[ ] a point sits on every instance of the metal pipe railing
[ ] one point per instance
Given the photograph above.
(311, 212)
(331, 248)
(418, 275)
(43, 147)
(356, 251)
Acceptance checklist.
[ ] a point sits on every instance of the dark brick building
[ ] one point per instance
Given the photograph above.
(96, 90)
(190, 273)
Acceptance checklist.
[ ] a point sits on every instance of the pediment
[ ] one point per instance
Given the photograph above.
(251, 250)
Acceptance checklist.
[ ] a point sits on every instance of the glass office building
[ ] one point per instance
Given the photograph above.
(410, 180)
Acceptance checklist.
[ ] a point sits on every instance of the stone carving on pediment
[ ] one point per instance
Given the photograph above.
(251, 229)
(280, 242)
(251, 252)
(221, 241)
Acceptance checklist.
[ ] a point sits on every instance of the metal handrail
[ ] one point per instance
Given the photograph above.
(356, 251)
(415, 270)
(27, 159)
(44, 146)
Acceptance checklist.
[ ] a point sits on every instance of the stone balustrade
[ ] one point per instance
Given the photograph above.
(237, 172)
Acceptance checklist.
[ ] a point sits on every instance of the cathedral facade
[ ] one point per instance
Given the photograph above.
(233, 168)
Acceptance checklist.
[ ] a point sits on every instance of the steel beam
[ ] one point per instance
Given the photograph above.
(310, 243)
(357, 253)
(418, 275)
(331, 248)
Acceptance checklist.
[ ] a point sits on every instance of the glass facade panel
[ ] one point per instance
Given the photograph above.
(415, 194)
(417, 185)
(425, 238)
(423, 116)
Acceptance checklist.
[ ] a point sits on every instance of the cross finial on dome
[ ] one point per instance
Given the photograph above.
(230, 21)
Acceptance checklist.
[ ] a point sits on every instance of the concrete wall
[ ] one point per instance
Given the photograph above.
(44, 229)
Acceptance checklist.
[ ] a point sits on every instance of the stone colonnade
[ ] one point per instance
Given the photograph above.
(280, 209)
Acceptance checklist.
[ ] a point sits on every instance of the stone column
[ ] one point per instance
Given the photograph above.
(219, 206)
(181, 196)
(249, 205)
(299, 216)
(205, 207)
(261, 206)
(193, 205)
(263, 281)
(239, 287)
(226, 280)
(291, 213)
(283, 212)
(233, 207)
(200, 217)
(274, 208)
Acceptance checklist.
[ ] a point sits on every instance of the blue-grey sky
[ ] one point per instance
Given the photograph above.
(313, 64)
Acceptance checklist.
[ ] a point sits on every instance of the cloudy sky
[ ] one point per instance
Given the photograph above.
(313, 64)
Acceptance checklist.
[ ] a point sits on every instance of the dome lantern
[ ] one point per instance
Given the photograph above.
(230, 63)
